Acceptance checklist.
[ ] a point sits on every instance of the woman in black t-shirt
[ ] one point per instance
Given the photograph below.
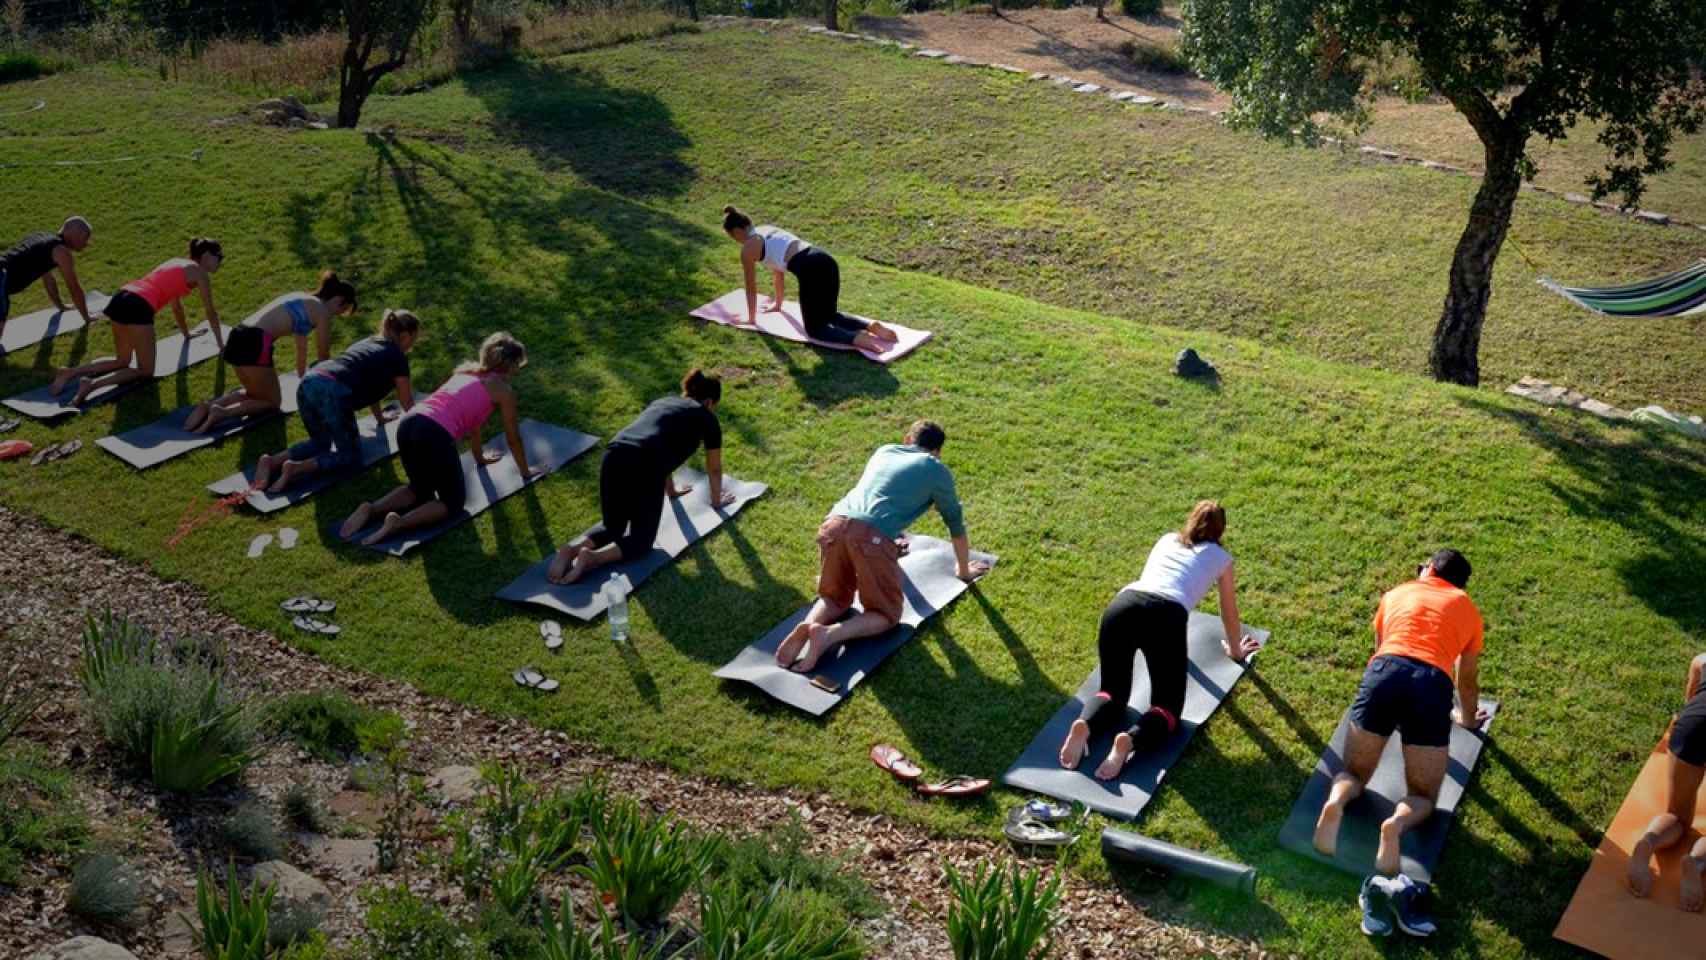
(333, 391)
(637, 472)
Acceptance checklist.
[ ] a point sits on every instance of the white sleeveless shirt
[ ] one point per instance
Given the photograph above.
(776, 243)
(1182, 574)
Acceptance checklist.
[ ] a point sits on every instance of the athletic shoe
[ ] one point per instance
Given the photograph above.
(1408, 900)
(1376, 907)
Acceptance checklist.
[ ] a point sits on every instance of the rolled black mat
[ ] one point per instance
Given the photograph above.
(1133, 848)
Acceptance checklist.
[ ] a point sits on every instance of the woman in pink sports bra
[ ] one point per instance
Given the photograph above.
(428, 437)
(249, 350)
(132, 311)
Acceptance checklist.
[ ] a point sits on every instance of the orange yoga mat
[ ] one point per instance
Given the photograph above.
(1604, 917)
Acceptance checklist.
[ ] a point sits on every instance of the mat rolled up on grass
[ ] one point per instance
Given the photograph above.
(730, 311)
(686, 519)
(1604, 916)
(172, 356)
(165, 439)
(1126, 847)
(1359, 834)
(29, 329)
(929, 584)
(377, 444)
(548, 446)
(1210, 677)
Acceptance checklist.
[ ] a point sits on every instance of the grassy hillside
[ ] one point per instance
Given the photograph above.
(572, 204)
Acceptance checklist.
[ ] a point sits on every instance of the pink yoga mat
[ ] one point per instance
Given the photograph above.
(730, 310)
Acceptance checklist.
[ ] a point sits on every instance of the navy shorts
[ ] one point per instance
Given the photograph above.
(1688, 736)
(1406, 695)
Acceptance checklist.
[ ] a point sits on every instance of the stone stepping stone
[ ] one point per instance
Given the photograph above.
(933, 54)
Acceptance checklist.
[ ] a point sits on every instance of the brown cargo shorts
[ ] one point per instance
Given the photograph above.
(856, 558)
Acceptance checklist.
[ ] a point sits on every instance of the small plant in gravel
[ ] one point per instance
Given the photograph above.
(567, 940)
(401, 794)
(735, 924)
(312, 947)
(1140, 8)
(402, 926)
(642, 865)
(1001, 914)
(18, 703)
(303, 811)
(331, 726)
(39, 813)
(782, 855)
(515, 835)
(232, 926)
(192, 754)
(104, 890)
(252, 831)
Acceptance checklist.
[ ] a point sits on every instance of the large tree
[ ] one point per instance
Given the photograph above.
(386, 28)
(1515, 69)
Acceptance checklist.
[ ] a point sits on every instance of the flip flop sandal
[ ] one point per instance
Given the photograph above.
(552, 631)
(1028, 832)
(259, 545)
(65, 450)
(287, 537)
(42, 454)
(13, 449)
(1041, 811)
(955, 787)
(307, 604)
(528, 677)
(316, 626)
(891, 759)
(9, 425)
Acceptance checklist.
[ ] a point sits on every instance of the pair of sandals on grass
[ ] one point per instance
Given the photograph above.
(529, 677)
(309, 615)
(1033, 824)
(15, 449)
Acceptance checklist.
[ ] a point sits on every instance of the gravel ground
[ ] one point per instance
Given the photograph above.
(44, 578)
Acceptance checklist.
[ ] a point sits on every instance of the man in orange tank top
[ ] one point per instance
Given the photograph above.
(1427, 633)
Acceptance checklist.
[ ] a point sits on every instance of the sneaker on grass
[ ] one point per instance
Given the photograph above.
(1376, 907)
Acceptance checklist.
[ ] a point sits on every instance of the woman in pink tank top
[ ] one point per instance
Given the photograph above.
(132, 310)
(428, 440)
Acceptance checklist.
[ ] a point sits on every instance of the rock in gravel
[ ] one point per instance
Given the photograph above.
(348, 857)
(84, 948)
(454, 785)
(295, 893)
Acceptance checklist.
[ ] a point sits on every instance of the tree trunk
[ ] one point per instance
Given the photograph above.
(1457, 338)
(1099, 5)
(829, 12)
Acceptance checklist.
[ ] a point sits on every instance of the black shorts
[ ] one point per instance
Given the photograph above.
(129, 309)
(1412, 697)
(1688, 736)
(247, 347)
(431, 461)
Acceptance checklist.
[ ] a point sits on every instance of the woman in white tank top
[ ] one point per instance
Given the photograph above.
(819, 277)
(1151, 616)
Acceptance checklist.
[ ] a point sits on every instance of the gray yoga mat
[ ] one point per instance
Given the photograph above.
(547, 446)
(376, 445)
(154, 443)
(1210, 677)
(1359, 833)
(30, 329)
(686, 519)
(171, 356)
(929, 584)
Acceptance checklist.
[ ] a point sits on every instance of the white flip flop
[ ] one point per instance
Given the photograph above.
(315, 625)
(259, 545)
(307, 604)
(552, 631)
(287, 537)
(528, 677)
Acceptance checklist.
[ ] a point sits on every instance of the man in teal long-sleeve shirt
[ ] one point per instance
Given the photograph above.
(857, 549)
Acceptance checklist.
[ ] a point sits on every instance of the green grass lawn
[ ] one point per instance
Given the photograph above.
(573, 204)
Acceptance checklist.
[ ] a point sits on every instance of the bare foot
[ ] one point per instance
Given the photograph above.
(1641, 868)
(1693, 889)
(82, 392)
(882, 331)
(1327, 828)
(1072, 751)
(287, 475)
(60, 379)
(197, 418)
(816, 647)
(214, 416)
(578, 568)
(789, 650)
(263, 471)
(386, 531)
(357, 521)
(1386, 858)
(1117, 758)
(560, 562)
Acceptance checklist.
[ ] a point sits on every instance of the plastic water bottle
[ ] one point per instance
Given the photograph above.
(616, 599)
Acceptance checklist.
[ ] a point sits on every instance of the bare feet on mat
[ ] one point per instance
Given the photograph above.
(387, 530)
(817, 644)
(1386, 857)
(82, 393)
(357, 521)
(560, 563)
(1641, 868)
(287, 474)
(263, 471)
(60, 379)
(1072, 751)
(1117, 758)
(882, 331)
(197, 420)
(1693, 888)
(1327, 828)
(792, 644)
(214, 416)
(577, 567)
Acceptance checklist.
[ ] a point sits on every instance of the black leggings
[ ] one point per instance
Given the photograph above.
(630, 496)
(1154, 626)
(431, 462)
(820, 290)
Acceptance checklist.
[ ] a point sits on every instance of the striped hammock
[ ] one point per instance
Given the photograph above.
(1678, 294)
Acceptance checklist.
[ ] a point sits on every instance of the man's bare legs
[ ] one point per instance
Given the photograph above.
(819, 633)
(1424, 771)
(1667, 829)
(1362, 755)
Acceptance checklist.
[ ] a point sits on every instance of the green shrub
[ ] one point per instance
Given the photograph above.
(303, 811)
(331, 726)
(734, 924)
(507, 934)
(291, 925)
(235, 927)
(20, 65)
(17, 704)
(1001, 915)
(642, 865)
(104, 890)
(565, 940)
(252, 831)
(190, 755)
(1140, 8)
(39, 814)
(312, 947)
(1163, 57)
(780, 855)
(402, 926)
(514, 836)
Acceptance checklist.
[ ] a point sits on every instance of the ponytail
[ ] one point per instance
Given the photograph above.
(733, 220)
(201, 246)
(499, 353)
(701, 386)
(398, 323)
(333, 288)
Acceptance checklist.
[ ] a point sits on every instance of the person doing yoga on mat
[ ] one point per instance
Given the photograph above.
(132, 310)
(36, 257)
(639, 469)
(427, 439)
(820, 284)
(859, 550)
(333, 391)
(249, 350)
(1151, 616)
(1426, 631)
(1687, 767)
